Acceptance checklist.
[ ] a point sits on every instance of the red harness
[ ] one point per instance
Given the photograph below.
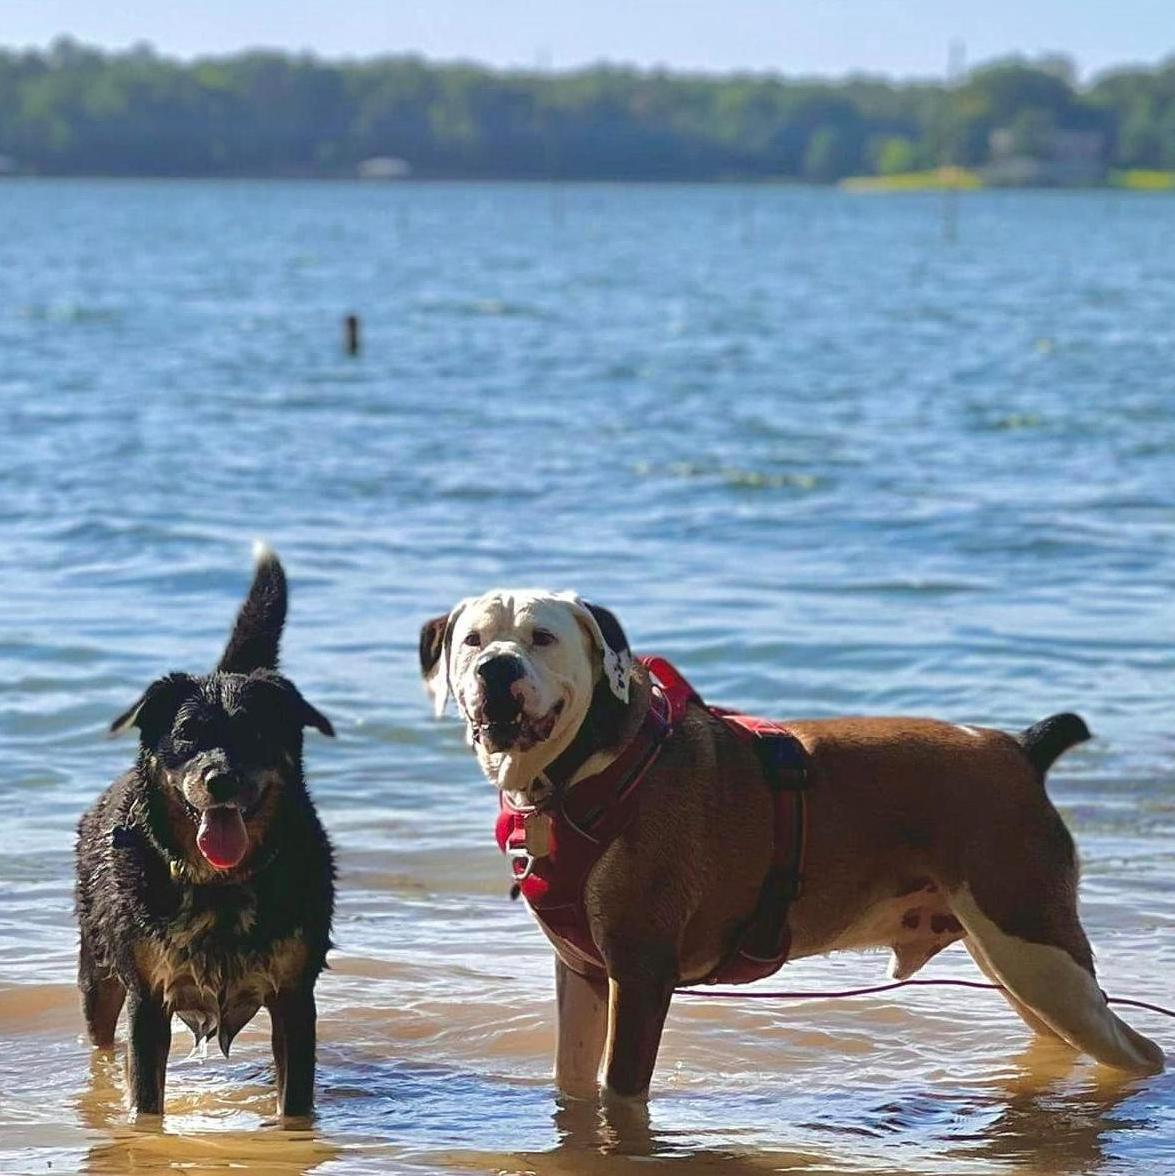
(552, 849)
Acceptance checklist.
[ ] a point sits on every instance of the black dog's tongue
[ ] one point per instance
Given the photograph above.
(222, 838)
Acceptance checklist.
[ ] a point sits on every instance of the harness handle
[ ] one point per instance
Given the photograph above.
(674, 685)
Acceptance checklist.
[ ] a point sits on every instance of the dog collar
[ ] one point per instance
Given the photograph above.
(131, 836)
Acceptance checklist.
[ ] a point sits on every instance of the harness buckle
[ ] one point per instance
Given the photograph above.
(519, 853)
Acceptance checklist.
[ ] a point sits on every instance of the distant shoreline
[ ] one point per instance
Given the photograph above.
(897, 185)
(71, 110)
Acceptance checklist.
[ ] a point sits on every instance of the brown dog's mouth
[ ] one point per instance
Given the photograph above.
(520, 733)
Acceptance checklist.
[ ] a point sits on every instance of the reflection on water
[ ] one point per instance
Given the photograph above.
(195, 1138)
(1042, 1108)
(841, 469)
(263, 1153)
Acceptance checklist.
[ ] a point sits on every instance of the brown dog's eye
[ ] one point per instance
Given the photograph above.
(543, 637)
(472, 638)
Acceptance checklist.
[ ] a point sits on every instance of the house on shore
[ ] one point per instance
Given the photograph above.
(1052, 158)
(384, 167)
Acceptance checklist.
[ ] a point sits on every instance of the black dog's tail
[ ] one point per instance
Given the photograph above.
(1043, 742)
(258, 629)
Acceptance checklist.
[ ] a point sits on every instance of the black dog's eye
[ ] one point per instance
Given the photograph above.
(252, 734)
(541, 637)
(472, 638)
(254, 741)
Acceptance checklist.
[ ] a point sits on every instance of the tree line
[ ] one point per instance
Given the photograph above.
(75, 110)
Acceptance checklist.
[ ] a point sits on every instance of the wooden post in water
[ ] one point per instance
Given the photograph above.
(351, 342)
(952, 147)
(551, 156)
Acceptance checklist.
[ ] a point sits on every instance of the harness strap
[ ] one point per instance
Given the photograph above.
(553, 849)
(674, 686)
(765, 942)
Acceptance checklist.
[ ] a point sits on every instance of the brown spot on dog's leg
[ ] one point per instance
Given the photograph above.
(102, 998)
(911, 919)
(102, 1003)
(940, 924)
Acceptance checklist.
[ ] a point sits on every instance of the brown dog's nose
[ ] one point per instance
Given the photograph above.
(499, 671)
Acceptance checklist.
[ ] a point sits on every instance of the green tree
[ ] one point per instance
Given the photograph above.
(71, 109)
(829, 155)
(894, 155)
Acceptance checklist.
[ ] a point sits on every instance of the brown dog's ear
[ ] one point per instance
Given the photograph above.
(435, 641)
(608, 637)
(432, 643)
(156, 707)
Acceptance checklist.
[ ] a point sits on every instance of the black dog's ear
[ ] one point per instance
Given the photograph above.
(253, 644)
(291, 696)
(156, 707)
(313, 717)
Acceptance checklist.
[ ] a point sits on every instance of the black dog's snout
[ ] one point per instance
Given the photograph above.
(499, 671)
(222, 787)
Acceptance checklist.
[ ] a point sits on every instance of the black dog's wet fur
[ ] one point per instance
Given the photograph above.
(166, 934)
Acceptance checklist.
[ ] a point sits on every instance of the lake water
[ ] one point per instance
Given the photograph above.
(826, 459)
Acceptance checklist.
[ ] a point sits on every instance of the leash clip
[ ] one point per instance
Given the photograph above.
(519, 853)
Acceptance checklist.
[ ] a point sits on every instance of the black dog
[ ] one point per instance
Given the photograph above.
(205, 883)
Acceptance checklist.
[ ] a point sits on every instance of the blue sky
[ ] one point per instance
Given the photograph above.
(899, 37)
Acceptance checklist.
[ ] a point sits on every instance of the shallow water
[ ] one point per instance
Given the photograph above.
(824, 459)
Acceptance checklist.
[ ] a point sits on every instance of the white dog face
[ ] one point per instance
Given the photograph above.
(522, 666)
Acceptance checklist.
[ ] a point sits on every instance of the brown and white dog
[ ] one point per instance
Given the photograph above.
(920, 833)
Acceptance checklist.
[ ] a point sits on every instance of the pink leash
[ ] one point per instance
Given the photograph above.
(1121, 1000)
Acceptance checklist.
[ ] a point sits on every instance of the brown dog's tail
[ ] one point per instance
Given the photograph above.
(253, 644)
(1043, 742)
